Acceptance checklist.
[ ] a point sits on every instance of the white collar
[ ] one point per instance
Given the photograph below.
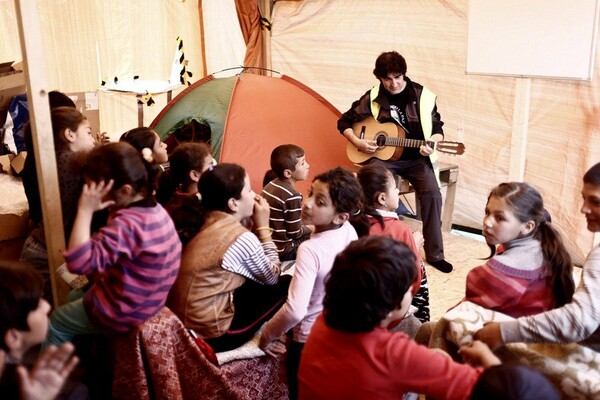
(389, 214)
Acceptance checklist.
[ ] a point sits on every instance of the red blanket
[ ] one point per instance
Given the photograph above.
(160, 360)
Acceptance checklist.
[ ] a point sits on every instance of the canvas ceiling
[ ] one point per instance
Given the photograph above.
(330, 46)
(134, 37)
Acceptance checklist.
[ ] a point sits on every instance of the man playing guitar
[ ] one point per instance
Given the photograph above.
(412, 108)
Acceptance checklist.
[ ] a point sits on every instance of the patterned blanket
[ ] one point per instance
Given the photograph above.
(572, 368)
(160, 360)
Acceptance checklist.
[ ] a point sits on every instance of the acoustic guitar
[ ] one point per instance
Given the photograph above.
(391, 141)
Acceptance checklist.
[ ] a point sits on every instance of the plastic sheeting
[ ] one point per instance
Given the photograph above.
(331, 46)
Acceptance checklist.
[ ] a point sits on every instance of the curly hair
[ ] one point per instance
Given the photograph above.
(390, 62)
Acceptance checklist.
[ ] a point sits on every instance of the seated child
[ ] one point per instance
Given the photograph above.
(187, 162)
(23, 326)
(290, 166)
(132, 261)
(381, 199)
(72, 139)
(534, 271)
(229, 282)
(351, 354)
(333, 198)
(146, 138)
(579, 319)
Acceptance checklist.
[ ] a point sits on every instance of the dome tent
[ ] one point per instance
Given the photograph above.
(251, 114)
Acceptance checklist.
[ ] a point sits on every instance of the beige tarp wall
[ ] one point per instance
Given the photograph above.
(331, 47)
(134, 37)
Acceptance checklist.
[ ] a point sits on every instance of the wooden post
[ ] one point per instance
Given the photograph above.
(266, 7)
(43, 140)
(518, 143)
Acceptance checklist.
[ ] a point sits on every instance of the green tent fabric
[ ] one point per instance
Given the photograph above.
(207, 102)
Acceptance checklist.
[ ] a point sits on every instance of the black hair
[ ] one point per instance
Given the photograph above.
(58, 99)
(527, 204)
(285, 157)
(390, 62)
(64, 118)
(269, 176)
(593, 175)
(225, 181)
(122, 163)
(217, 185)
(185, 158)
(344, 190)
(373, 179)
(345, 193)
(21, 288)
(367, 281)
(140, 138)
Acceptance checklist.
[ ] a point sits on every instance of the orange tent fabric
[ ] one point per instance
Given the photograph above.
(263, 112)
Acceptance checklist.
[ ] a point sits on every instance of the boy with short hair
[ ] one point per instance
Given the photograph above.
(24, 325)
(290, 166)
(351, 354)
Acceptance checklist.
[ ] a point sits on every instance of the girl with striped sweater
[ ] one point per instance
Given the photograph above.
(132, 262)
(533, 273)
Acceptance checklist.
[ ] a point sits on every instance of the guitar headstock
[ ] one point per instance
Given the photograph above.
(455, 148)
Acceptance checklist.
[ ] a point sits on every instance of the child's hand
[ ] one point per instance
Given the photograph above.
(490, 335)
(49, 373)
(478, 354)
(101, 138)
(261, 213)
(275, 348)
(92, 194)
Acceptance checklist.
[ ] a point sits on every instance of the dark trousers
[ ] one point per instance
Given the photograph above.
(254, 304)
(421, 176)
(293, 365)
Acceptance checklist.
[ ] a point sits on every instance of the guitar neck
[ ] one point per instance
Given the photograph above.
(403, 142)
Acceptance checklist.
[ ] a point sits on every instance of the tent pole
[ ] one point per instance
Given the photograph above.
(43, 140)
(266, 9)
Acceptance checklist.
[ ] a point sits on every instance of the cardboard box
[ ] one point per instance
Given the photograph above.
(87, 104)
(5, 163)
(11, 164)
(18, 162)
(13, 208)
(13, 226)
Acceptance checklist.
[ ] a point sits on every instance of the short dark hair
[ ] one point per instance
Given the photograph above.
(285, 157)
(389, 63)
(367, 281)
(344, 190)
(187, 157)
(593, 175)
(21, 288)
(225, 181)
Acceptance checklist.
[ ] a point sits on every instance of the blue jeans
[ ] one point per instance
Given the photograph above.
(66, 322)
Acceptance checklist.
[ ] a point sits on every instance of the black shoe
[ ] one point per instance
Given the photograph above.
(442, 265)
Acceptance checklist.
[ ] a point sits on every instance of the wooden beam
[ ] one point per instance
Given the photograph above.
(518, 143)
(43, 140)
(266, 9)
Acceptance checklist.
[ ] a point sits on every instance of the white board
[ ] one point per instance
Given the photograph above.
(532, 38)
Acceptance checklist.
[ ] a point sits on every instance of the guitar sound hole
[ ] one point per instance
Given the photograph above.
(380, 139)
